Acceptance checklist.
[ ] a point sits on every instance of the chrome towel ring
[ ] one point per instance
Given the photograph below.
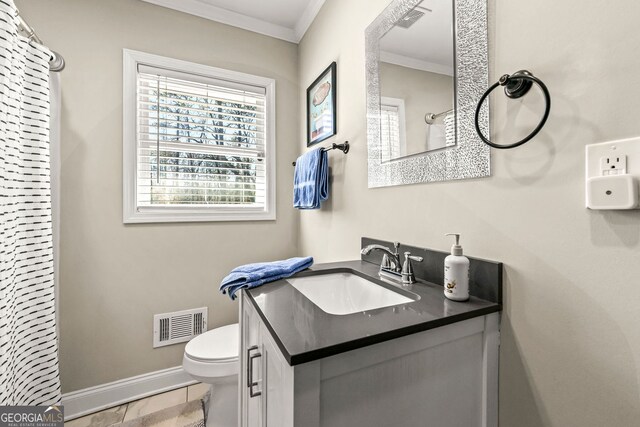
(516, 86)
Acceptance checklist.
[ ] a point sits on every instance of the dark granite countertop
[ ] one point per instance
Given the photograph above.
(305, 333)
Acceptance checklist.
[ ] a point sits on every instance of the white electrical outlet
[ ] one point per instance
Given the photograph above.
(613, 174)
(613, 165)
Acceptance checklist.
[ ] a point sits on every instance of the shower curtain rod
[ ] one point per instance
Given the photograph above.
(56, 63)
(430, 117)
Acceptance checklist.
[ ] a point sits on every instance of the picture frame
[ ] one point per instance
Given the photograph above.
(321, 106)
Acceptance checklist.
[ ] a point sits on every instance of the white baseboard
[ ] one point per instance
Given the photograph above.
(94, 399)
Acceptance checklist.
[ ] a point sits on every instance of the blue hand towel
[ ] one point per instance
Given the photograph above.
(311, 180)
(254, 275)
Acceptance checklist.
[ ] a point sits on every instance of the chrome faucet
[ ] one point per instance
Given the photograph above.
(390, 266)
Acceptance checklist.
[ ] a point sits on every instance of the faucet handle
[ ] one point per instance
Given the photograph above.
(408, 277)
(396, 246)
(417, 258)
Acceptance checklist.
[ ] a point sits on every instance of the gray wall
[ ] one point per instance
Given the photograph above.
(570, 353)
(570, 343)
(423, 92)
(113, 278)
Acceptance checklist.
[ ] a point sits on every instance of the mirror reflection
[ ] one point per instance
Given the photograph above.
(417, 82)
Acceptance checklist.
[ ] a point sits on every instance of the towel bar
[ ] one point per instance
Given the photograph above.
(344, 147)
(516, 86)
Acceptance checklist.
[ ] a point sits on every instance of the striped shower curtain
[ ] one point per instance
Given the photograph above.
(28, 341)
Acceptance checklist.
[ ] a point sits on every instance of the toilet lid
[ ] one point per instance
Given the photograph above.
(220, 344)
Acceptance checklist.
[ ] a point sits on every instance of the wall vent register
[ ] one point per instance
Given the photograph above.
(179, 326)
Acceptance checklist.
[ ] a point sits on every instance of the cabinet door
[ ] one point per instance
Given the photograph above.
(251, 366)
(277, 384)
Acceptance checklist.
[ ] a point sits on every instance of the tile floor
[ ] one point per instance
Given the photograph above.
(139, 408)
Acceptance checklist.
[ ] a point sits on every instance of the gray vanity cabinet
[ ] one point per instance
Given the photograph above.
(251, 406)
(442, 377)
(266, 379)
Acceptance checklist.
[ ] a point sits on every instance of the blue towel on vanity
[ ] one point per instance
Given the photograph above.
(254, 275)
(311, 180)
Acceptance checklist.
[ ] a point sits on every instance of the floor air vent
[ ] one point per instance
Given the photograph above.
(179, 326)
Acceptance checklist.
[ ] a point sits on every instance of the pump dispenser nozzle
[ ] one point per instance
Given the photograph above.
(455, 249)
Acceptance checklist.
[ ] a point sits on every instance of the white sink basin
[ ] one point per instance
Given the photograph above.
(346, 293)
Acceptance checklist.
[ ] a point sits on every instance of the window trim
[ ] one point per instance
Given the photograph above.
(402, 124)
(130, 211)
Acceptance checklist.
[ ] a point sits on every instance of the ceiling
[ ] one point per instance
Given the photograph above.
(290, 19)
(282, 19)
(426, 45)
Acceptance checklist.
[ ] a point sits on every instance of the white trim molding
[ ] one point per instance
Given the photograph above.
(131, 212)
(94, 399)
(235, 19)
(307, 18)
(416, 64)
(402, 121)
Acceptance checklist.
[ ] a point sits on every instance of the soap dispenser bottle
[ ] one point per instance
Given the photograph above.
(456, 273)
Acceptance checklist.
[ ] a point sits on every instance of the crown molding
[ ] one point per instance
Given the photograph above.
(417, 64)
(309, 14)
(224, 16)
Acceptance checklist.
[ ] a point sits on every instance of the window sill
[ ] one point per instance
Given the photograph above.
(157, 216)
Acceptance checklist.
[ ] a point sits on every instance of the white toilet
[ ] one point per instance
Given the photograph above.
(212, 358)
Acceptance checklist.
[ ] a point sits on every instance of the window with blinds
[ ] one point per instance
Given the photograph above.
(201, 144)
(392, 128)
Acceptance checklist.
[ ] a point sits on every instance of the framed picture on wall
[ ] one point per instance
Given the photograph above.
(321, 107)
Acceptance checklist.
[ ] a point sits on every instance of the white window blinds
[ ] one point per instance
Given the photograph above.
(390, 132)
(201, 142)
